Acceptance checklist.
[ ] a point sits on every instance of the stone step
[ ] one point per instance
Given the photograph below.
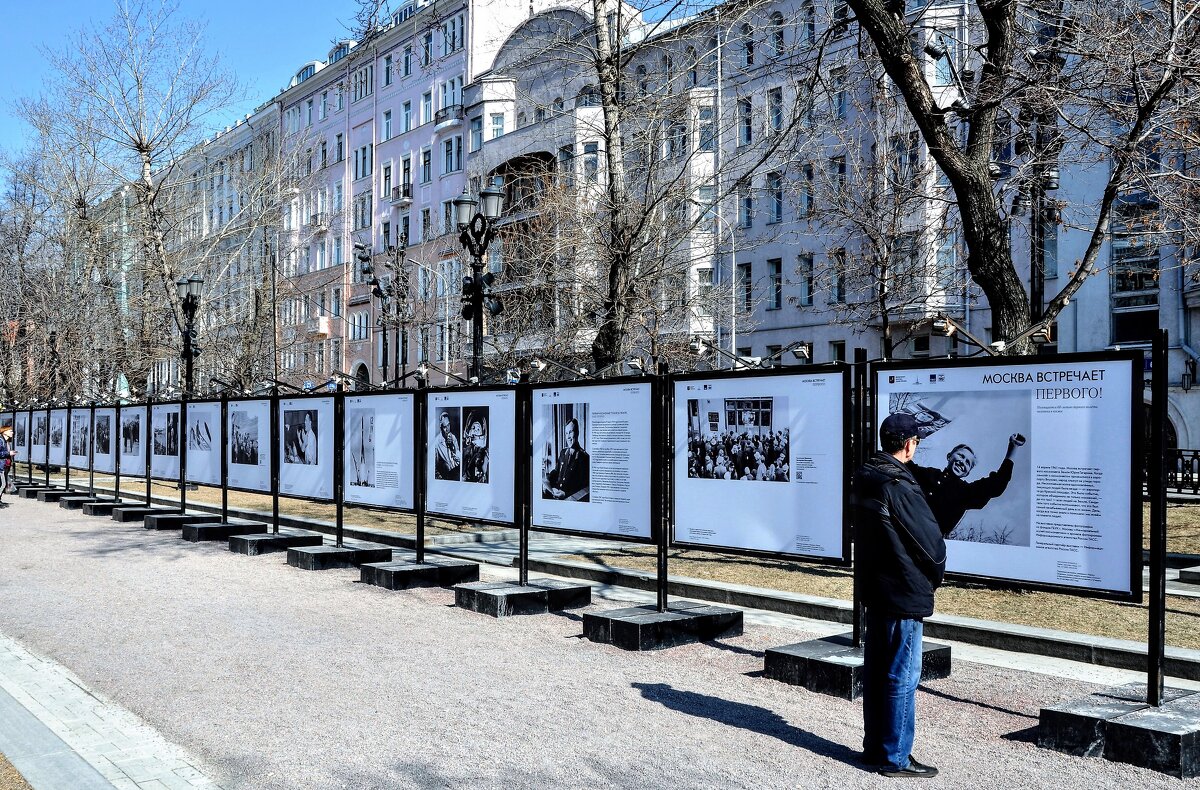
(646, 628)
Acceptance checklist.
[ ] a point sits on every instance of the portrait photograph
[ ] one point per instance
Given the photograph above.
(80, 431)
(131, 434)
(475, 448)
(300, 432)
(447, 444)
(103, 436)
(566, 463)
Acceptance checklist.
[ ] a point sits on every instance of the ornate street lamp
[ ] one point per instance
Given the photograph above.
(188, 289)
(476, 229)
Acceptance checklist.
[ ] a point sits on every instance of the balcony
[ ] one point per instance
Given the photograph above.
(319, 326)
(319, 222)
(402, 195)
(447, 117)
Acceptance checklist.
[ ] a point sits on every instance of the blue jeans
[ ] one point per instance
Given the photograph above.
(892, 671)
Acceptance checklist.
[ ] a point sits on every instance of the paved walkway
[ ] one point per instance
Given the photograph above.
(272, 677)
(61, 734)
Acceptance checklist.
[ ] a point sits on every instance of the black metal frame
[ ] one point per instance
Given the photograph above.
(277, 401)
(428, 393)
(225, 455)
(658, 449)
(1136, 532)
(417, 436)
(150, 440)
(183, 439)
(847, 462)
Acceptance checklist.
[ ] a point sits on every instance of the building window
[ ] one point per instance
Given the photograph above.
(363, 82)
(406, 117)
(452, 155)
(704, 289)
(775, 283)
(905, 155)
(407, 62)
(837, 277)
(340, 148)
(1050, 247)
(476, 133)
(777, 29)
(745, 287)
(840, 92)
(426, 166)
(427, 48)
(745, 121)
(808, 22)
(807, 191)
(427, 107)
(804, 272)
(387, 70)
(322, 106)
(774, 197)
(745, 202)
(837, 176)
(497, 125)
(837, 350)
(707, 132)
(387, 124)
(591, 162)
(335, 301)
(747, 46)
(775, 109)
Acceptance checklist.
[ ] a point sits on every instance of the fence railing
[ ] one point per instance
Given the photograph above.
(1182, 471)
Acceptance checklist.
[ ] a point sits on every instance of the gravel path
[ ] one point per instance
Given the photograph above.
(279, 678)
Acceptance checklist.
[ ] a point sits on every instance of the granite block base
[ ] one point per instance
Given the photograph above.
(646, 628)
(52, 494)
(128, 513)
(319, 558)
(221, 530)
(77, 501)
(102, 508)
(834, 666)
(1119, 725)
(31, 492)
(503, 599)
(433, 572)
(268, 542)
(177, 520)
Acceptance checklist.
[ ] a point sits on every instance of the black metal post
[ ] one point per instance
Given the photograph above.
(225, 458)
(29, 443)
(383, 332)
(181, 446)
(46, 468)
(147, 439)
(476, 319)
(420, 407)
(92, 450)
(115, 436)
(660, 422)
(339, 462)
(524, 477)
(67, 449)
(275, 461)
(1156, 645)
(1037, 246)
(860, 440)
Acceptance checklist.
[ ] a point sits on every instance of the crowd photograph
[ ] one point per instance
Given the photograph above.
(735, 439)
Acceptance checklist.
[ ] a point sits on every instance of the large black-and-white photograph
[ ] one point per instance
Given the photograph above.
(566, 463)
(360, 447)
(300, 429)
(166, 435)
(200, 432)
(103, 435)
(973, 461)
(80, 435)
(475, 450)
(243, 437)
(131, 434)
(21, 431)
(447, 446)
(737, 439)
(57, 430)
(39, 430)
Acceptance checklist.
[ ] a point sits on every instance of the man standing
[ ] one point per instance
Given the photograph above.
(902, 561)
(447, 453)
(951, 495)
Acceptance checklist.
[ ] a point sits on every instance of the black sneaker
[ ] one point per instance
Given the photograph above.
(914, 770)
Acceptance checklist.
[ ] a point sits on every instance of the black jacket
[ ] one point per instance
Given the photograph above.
(901, 553)
(950, 497)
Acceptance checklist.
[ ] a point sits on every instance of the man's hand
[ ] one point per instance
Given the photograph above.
(1014, 441)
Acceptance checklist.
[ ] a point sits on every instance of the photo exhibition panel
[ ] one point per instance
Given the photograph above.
(472, 446)
(306, 447)
(378, 458)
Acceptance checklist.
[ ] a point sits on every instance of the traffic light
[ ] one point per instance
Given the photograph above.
(490, 301)
(362, 254)
(194, 348)
(468, 298)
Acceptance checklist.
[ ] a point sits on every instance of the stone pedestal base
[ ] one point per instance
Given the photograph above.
(52, 494)
(77, 501)
(267, 542)
(31, 492)
(502, 599)
(195, 533)
(1190, 575)
(177, 520)
(433, 572)
(646, 628)
(319, 558)
(127, 513)
(1118, 724)
(834, 666)
(103, 508)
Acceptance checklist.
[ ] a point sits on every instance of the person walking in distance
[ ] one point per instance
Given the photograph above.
(6, 462)
(902, 562)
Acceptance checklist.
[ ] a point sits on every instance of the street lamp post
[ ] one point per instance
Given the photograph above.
(188, 289)
(393, 299)
(476, 229)
(52, 338)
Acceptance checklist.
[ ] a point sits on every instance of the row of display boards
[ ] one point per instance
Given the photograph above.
(1037, 459)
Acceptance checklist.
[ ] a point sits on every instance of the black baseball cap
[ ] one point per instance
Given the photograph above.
(900, 426)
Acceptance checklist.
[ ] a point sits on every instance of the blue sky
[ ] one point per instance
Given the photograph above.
(262, 41)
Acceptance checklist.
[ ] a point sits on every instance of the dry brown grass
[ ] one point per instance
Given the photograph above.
(1045, 610)
(10, 777)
